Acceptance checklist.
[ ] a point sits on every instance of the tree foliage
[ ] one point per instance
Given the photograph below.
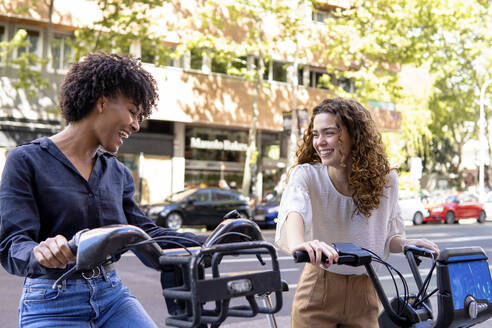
(122, 22)
(29, 77)
(446, 38)
(231, 32)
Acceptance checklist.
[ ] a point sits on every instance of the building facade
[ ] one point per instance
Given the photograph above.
(199, 134)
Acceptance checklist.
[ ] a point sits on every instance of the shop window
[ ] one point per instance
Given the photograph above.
(61, 51)
(157, 126)
(211, 144)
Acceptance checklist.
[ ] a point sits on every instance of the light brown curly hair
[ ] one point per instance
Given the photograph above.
(370, 165)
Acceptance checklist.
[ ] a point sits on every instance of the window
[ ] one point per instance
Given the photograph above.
(223, 196)
(274, 71)
(279, 71)
(300, 75)
(3, 37)
(160, 54)
(317, 79)
(219, 66)
(2, 33)
(343, 82)
(319, 16)
(201, 196)
(34, 43)
(196, 59)
(61, 51)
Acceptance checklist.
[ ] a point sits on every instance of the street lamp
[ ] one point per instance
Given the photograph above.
(482, 139)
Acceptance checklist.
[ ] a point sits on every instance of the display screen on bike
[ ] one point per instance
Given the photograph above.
(469, 278)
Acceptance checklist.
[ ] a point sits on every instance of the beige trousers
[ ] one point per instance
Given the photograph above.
(324, 300)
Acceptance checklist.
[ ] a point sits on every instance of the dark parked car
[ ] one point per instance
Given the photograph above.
(266, 214)
(456, 207)
(198, 206)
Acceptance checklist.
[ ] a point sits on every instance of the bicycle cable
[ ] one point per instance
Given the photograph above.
(389, 267)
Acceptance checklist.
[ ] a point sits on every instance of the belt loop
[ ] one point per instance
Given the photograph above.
(104, 273)
(64, 285)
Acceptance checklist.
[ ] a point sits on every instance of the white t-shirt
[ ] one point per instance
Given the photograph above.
(328, 215)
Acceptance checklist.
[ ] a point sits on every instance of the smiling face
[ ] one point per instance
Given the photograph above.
(332, 143)
(118, 118)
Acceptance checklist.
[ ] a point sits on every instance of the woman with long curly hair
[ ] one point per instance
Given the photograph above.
(343, 190)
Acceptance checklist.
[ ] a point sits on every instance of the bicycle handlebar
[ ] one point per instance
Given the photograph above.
(95, 247)
(463, 280)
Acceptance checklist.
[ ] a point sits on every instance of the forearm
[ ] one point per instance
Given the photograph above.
(397, 244)
(293, 231)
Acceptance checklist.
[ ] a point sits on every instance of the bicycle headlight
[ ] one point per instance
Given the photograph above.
(239, 286)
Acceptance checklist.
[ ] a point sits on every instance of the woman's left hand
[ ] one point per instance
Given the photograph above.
(424, 243)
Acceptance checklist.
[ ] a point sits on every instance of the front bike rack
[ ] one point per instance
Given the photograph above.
(196, 290)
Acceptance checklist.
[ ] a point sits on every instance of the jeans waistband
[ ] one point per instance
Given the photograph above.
(86, 274)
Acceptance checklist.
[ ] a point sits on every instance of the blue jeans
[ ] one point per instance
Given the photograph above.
(81, 303)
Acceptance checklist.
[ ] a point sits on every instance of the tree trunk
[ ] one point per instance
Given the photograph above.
(252, 130)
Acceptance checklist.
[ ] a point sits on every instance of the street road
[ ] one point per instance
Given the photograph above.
(144, 282)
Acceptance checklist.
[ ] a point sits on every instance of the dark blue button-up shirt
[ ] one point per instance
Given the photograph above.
(42, 195)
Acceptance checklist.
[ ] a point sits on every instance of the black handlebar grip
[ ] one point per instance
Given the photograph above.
(73, 245)
(303, 256)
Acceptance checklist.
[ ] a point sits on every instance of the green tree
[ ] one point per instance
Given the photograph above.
(369, 40)
(459, 39)
(230, 33)
(122, 23)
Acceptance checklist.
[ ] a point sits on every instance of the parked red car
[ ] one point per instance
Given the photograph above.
(456, 207)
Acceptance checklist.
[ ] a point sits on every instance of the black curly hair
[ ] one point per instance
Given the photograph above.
(106, 75)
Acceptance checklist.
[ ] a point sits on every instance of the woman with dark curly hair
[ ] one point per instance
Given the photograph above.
(53, 187)
(340, 190)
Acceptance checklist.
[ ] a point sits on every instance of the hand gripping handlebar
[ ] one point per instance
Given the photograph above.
(232, 237)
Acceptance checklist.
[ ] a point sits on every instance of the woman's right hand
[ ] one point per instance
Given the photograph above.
(54, 253)
(315, 249)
